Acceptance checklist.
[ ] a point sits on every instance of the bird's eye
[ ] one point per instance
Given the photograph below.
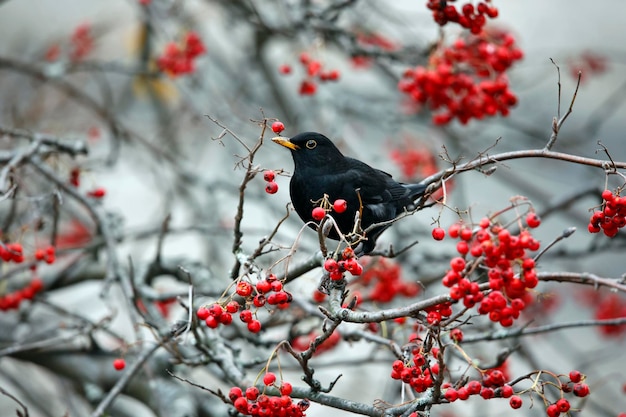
(311, 144)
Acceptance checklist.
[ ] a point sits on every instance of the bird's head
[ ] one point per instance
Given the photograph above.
(310, 149)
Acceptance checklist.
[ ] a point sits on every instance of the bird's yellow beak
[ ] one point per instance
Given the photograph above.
(285, 142)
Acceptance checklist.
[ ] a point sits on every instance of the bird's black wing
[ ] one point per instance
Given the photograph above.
(380, 194)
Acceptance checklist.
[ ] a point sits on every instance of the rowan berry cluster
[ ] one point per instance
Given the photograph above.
(385, 279)
(586, 64)
(271, 187)
(253, 402)
(348, 263)
(315, 73)
(179, 59)
(303, 342)
(467, 79)
(12, 300)
(268, 291)
(468, 16)
(510, 268)
(418, 373)
(612, 214)
(47, 254)
(12, 252)
(606, 306)
(371, 40)
(417, 161)
(338, 206)
(82, 42)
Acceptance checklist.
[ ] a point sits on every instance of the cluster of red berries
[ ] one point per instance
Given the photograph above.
(587, 63)
(438, 312)
(12, 252)
(468, 16)
(466, 80)
(487, 392)
(268, 291)
(303, 342)
(315, 73)
(610, 306)
(47, 254)
(418, 161)
(371, 40)
(252, 402)
(97, 192)
(385, 278)
(511, 270)
(271, 187)
(82, 42)
(612, 215)
(338, 206)
(348, 263)
(417, 373)
(178, 59)
(12, 300)
(576, 386)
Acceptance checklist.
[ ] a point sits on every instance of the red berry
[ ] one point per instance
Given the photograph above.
(451, 394)
(232, 307)
(243, 288)
(212, 322)
(438, 233)
(263, 286)
(506, 391)
(331, 265)
(254, 326)
(563, 405)
(286, 388)
(575, 376)
(581, 390)
(241, 404)
(245, 316)
(97, 192)
(226, 319)
(269, 378)
(340, 205)
(457, 264)
(252, 393)
(119, 364)
(457, 335)
(269, 175)
(234, 393)
(271, 187)
(202, 313)
(307, 88)
(318, 213)
(454, 230)
(533, 220)
(607, 195)
(278, 127)
(466, 233)
(515, 402)
(553, 411)
(285, 69)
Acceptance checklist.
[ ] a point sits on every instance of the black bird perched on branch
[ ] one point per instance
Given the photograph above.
(321, 169)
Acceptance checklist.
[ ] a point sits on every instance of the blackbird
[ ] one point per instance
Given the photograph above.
(320, 168)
